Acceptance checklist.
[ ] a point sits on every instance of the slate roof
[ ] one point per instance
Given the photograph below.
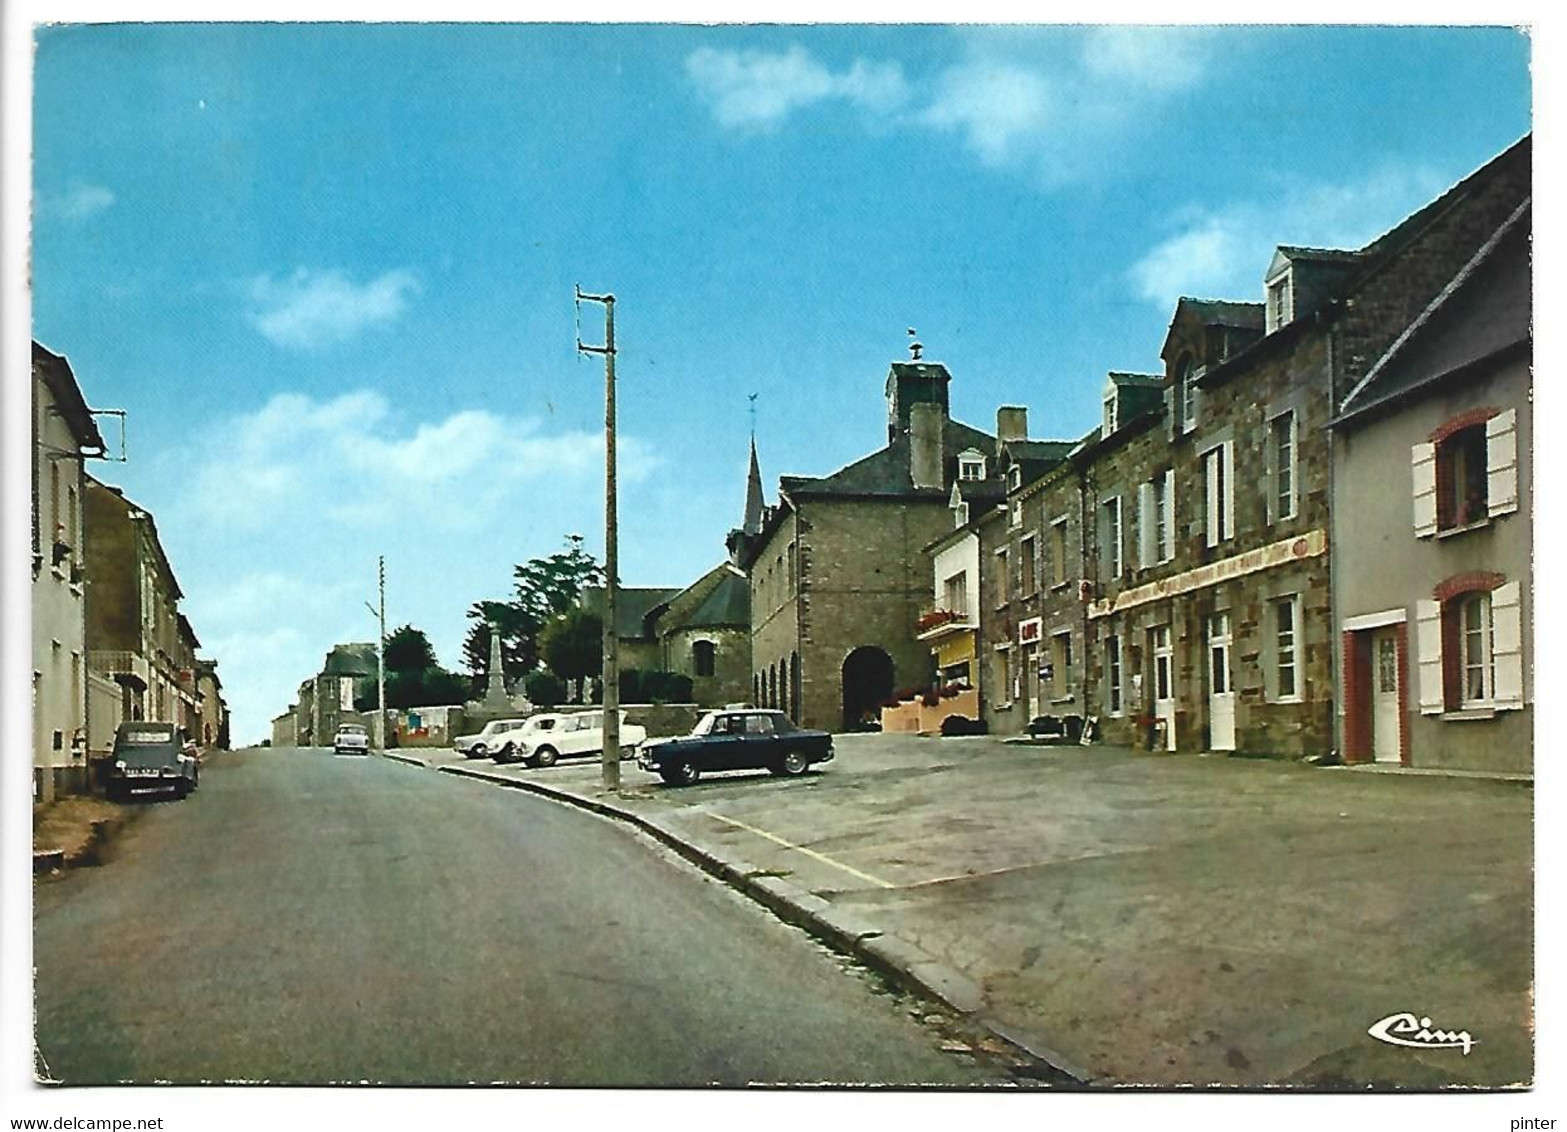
(632, 606)
(1225, 312)
(357, 659)
(1137, 380)
(1331, 255)
(1485, 310)
(728, 605)
(1048, 450)
(60, 379)
(885, 472)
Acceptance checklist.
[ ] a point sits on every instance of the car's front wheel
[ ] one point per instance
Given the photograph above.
(474, 752)
(680, 773)
(505, 754)
(792, 764)
(545, 756)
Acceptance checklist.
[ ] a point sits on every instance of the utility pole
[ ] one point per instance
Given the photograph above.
(379, 610)
(610, 757)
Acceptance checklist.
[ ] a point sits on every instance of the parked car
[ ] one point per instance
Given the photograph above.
(481, 743)
(581, 733)
(751, 739)
(351, 739)
(151, 757)
(507, 745)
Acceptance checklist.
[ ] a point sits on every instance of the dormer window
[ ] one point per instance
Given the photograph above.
(1281, 301)
(1112, 419)
(1186, 393)
(971, 465)
(1014, 477)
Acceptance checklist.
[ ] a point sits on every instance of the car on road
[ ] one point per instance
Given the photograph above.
(151, 757)
(351, 739)
(578, 734)
(482, 742)
(750, 739)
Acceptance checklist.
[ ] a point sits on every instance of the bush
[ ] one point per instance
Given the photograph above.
(650, 686)
(545, 688)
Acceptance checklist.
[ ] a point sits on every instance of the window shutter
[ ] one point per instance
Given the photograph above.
(1147, 553)
(1507, 644)
(1501, 463)
(1167, 551)
(1229, 489)
(1428, 645)
(1423, 470)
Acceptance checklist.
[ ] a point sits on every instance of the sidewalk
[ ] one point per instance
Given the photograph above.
(1137, 919)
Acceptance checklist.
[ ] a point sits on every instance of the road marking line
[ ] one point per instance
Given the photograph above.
(822, 857)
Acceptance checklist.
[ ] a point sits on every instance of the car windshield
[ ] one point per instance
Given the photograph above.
(704, 726)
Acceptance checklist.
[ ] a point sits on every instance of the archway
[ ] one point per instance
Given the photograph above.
(867, 681)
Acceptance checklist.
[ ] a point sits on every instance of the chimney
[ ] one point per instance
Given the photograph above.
(925, 455)
(1011, 424)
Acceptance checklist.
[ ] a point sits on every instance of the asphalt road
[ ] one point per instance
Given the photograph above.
(309, 918)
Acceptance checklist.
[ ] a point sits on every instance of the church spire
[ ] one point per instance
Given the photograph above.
(753, 495)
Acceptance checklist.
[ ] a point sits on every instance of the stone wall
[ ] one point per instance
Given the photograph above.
(864, 578)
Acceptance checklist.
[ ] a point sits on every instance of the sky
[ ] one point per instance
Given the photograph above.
(327, 270)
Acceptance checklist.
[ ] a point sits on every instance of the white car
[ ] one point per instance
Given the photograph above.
(479, 745)
(351, 739)
(578, 734)
(507, 746)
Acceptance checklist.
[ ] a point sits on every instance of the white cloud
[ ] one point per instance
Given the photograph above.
(996, 104)
(80, 201)
(1222, 253)
(1050, 101)
(1159, 58)
(318, 308)
(353, 460)
(759, 89)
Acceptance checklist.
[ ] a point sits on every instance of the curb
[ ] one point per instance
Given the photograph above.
(891, 956)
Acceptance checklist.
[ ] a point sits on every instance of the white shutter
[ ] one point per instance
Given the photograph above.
(1423, 470)
(1507, 644)
(1501, 462)
(1229, 489)
(1147, 553)
(1167, 551)
(1428, 654)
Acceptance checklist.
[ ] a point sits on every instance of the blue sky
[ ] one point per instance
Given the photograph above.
(327, 269)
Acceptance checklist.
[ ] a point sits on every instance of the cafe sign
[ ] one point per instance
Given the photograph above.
(1312, 544)
(1028, 631)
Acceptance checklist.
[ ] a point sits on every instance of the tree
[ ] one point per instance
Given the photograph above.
(548, 587)
(408, 650)
(573, 645)
(519, 643)
(545, 688)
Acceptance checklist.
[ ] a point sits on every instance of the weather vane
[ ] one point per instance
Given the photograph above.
(752, 399)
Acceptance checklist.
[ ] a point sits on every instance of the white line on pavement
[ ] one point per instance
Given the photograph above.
(822, 857)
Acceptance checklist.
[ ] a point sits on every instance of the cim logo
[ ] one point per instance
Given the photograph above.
(1416, 1033)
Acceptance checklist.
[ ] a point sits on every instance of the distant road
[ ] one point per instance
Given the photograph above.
(311, 918)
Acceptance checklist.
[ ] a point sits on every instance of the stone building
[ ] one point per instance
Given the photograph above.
(837, 573)
(1432, 544)
(136, 634)
(1032, 636)
(704, 632)
(636, 617)
(212, 729)
(64, 436)
(326, 700)
(285, 728)
(1211, 610)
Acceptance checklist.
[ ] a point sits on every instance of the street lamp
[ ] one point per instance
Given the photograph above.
(380, 653)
